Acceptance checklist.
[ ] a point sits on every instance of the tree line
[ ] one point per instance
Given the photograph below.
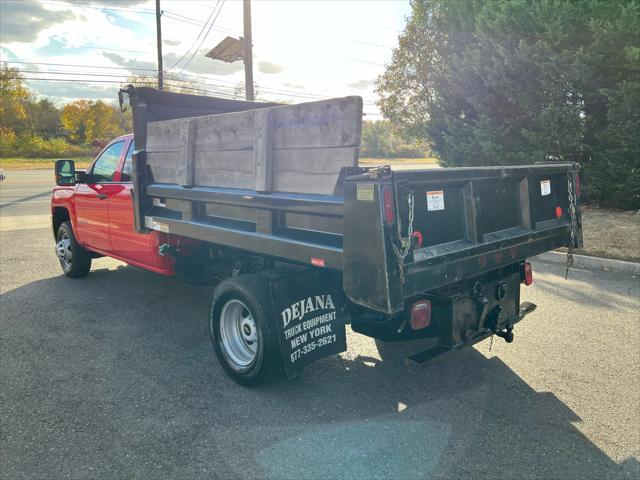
(488, 82)
(31, 126)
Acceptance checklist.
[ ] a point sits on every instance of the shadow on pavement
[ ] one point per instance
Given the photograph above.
(113, 376)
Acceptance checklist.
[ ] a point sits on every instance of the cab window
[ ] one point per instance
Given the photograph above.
(127, 168)
(105, 165)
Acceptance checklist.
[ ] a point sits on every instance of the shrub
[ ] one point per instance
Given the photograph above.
(35, 146)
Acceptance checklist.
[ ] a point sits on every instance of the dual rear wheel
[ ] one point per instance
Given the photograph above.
(242, 327)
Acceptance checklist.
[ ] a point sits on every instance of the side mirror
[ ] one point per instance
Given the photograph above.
(65, 172)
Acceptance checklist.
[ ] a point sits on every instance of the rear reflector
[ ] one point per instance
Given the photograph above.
(558, 212)
(389, 210)
(421, 314)
(318, 262)
(419, 238)
(528, 273)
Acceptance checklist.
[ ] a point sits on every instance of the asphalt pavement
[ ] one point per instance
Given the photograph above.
(113, 376)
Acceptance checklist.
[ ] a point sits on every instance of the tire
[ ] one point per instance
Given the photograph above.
(243, 330)
(74, 260)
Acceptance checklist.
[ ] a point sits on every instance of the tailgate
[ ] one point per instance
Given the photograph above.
(463, 221)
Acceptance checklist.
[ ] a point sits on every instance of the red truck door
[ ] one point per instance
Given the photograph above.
(125, 241)
(92, 198)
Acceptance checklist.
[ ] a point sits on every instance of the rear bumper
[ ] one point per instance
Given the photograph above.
(423, 357)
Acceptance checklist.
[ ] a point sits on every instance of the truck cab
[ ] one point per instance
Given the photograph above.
(98, 205)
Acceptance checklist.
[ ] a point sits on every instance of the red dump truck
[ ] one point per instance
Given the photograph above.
(269, 204)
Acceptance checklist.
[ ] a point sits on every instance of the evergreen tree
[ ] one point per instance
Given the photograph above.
(516, 81)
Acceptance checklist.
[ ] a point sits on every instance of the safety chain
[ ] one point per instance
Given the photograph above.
(573, 224)
(402, 254)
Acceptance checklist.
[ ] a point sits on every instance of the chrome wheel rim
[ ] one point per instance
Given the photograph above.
(63, 250)
(238, 334)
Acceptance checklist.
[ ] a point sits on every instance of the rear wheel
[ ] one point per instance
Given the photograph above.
(243, 331)
(74, 260)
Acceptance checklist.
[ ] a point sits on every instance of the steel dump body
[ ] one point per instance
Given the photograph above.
(339, 216)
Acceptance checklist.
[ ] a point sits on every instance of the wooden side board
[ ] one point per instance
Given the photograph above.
(292, 148)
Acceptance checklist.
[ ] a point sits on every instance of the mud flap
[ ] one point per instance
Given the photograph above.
(310, 316)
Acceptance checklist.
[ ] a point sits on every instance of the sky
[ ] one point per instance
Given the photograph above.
(302, 50)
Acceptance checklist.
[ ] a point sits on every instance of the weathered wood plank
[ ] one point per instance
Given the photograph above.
(328, 123)
(313, 170)
(186, 149)
(163, 136)
(263, 150)
(232, 169)
(298, 182)
(315, 160)
(229, 131)
(165, 167)
(293, 148)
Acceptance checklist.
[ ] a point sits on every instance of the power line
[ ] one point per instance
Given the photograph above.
(185, 78)
(264, 89)
(142, 82)
(193, 21)
(195, 39)
(105, 48)
(203, 38)
(100, 74)
(81, 66)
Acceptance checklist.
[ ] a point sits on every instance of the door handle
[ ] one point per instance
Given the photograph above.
(101, 196)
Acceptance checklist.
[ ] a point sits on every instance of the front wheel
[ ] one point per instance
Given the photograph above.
(243, 331)
(74, 260)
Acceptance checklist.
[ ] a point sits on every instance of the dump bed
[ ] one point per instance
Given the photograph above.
(284, 182)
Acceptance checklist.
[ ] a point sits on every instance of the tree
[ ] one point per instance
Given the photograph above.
(43, 118)
(381, 140)
(502, 82)
(74, 118)
(13, 98)
(89, 121)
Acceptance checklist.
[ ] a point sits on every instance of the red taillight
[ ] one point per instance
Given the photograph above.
(578, 188)
(558, 212)
(419, 239)
(421, 314)
(528, 273)
(318, 262)
(389, 210)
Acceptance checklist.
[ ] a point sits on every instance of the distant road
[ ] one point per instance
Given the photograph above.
(24, 199)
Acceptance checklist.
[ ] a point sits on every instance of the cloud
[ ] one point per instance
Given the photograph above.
(361, 84)
(65, 92)
(21, 22)
(171, 43)
(129, 63)
(293, 85)
(269, 67)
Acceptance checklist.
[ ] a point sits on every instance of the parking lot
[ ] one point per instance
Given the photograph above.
(113, 376)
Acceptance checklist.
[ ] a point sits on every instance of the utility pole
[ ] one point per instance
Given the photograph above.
(159, 42)
(248, 55)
